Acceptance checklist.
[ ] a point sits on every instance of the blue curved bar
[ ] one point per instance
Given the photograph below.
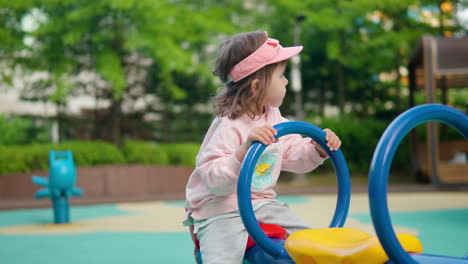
(245, 181)
(380, 168)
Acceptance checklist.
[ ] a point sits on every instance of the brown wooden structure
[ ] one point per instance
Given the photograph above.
(438, 62)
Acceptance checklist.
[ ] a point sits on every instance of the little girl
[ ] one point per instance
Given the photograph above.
(251, 66)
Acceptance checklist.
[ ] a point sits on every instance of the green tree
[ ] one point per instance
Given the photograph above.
(103, 37)
(347, 44)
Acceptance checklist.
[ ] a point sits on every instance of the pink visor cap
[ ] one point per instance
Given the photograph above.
(270, 52)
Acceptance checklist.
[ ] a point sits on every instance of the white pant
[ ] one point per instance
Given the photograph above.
(224, 240)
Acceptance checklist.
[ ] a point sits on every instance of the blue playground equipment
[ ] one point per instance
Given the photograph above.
(60, 185)
(380, 168)
(274, 249)
(394, 250)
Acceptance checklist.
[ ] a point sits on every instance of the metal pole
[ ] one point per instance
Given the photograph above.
(296, 82)
(432, 141)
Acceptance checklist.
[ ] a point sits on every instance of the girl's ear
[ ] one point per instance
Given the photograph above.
(255, 87)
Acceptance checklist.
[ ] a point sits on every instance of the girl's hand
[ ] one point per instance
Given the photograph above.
(264, 134)
(333, 143)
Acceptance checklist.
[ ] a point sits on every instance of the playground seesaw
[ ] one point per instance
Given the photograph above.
(336, 244)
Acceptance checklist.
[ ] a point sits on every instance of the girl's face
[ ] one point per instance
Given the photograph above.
(277, 88)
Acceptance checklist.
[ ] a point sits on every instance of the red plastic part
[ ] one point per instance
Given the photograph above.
(194, 238)
(271, 231)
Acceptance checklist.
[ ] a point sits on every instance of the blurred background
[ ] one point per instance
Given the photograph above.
(129, 81)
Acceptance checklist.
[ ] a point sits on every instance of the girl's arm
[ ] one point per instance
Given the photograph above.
(219, 163)
(300, 155)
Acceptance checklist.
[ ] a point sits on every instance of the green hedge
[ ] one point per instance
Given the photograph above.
(182, 153)
(142, 152)
(359, 137)
(27, 158)
(93, 153)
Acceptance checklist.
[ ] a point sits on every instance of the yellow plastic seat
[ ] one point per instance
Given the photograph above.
(342, 246)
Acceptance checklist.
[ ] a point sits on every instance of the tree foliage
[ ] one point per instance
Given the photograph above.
(162, 52)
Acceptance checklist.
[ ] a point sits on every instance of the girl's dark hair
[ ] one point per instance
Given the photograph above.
(236, 98)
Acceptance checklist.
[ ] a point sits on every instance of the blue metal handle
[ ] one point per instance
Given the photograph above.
(245, 181)
(382, 159)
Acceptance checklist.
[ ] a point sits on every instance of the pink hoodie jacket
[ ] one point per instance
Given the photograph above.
(212, 187)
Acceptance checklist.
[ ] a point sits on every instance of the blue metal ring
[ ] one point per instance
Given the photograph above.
(382, 159)
(245, 181)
